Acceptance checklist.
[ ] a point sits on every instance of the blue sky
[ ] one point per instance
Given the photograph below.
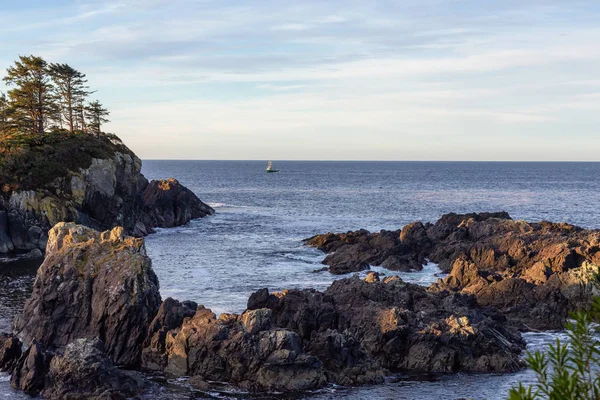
(361, 80)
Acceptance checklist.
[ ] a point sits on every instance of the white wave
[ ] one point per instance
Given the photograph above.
(226, 205)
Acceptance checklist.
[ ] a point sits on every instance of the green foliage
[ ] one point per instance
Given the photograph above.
(97, 114)
(569, 370)
(71, 89)
(31, 95)
(34, 162)
(47, 97)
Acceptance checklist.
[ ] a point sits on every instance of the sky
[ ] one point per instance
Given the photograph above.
(330, 80)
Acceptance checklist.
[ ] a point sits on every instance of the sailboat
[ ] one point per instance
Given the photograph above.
(270, 167)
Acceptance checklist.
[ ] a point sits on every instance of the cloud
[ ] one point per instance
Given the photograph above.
(340, 74)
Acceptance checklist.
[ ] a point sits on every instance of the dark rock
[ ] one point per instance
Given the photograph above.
(85, 372)
(10, 352)
(170, 316)
(361, 328)
(168, 204)
(242, 350)
(30, 372)
(534, 273)
(90, 285)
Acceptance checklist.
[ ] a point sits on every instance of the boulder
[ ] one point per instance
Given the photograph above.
(170, 316)
(85, 372)
(168, 203)
(242, 350)
(92, 285)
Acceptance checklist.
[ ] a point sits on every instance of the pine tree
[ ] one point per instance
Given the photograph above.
(31, 94)
(71, 89)
(96, 114)
(5, 111)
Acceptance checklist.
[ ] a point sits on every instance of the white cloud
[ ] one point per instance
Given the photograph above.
(397, 78)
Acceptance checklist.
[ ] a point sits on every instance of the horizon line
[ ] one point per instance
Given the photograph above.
(388, 161)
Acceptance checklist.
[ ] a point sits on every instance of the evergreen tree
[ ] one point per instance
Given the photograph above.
(5, 111)
(96, 114)
(71, 89)
(31, 95)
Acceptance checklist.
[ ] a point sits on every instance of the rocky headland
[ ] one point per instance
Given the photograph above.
(96, 307)
(93, 181)
(534, 274)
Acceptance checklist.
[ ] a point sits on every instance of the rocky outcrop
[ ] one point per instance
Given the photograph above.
(92, 285)
(168, 203)
(82, 371)
(101, 194)
(533, 273)
(85, 372)
(396, 325)
(170, 316)
(243, 351)
(95, 306)
(351, 334)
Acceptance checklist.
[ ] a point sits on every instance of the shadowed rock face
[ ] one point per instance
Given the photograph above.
(92, 285)
(534, 273)
(85, 372)
(351, 334)
(396, 325)
(167, 203)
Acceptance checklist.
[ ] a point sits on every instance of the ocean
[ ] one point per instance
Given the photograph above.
(255, 238)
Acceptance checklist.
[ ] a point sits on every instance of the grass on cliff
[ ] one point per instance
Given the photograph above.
(34, 162)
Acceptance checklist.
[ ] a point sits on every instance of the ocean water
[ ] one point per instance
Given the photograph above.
(255, 238)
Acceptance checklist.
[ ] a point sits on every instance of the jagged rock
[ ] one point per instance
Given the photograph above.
(393, 325)
(355, 251)
(85, 372)
(92, 284)
(236, 349)
(168, 204)
(170, 316)
(372, 277)
(29, 374)
(10, 352)
(534, 273)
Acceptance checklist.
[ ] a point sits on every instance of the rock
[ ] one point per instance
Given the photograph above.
(170, 316)
(10, 352)
(85, 372)
(355, 251)
(358, 329)
(168, 204)
(30, 372)
(534, 273)
(101, 189)
(372, 277)
(92, 285)
(242, 350)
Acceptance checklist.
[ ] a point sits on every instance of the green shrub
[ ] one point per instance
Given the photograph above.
(569, 370)
(33, 162)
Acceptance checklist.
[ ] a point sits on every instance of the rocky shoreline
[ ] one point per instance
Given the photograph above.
(532, 273)
(96, 308)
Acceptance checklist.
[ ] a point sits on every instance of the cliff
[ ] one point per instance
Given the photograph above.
(96, 182)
